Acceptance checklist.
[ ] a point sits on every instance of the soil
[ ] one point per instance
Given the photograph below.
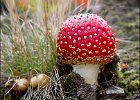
(123, 17)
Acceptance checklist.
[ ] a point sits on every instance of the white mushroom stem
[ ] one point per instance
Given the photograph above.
(88, 71)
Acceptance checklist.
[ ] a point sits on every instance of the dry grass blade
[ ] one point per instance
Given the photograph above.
(28, 42)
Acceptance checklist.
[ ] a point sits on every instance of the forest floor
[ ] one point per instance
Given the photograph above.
(123, 17)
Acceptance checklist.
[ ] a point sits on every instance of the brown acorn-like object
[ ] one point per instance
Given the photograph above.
(18, 84)
(40, 80)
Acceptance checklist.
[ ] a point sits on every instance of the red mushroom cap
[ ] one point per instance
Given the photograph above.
(85, 38)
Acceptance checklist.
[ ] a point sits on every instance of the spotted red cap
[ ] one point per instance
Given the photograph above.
(85, 38)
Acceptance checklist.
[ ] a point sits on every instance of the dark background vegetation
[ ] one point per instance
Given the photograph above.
(123, 17)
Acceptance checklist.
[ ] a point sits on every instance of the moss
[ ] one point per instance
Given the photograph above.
(135, 83)
(120, 75)
(130, 81)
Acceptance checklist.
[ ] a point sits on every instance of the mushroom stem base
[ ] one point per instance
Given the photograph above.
(88, 71)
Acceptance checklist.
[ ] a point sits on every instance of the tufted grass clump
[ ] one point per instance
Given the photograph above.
(28, 44)
(28, 40)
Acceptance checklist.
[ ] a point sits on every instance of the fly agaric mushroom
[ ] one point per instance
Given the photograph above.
(86, 41)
